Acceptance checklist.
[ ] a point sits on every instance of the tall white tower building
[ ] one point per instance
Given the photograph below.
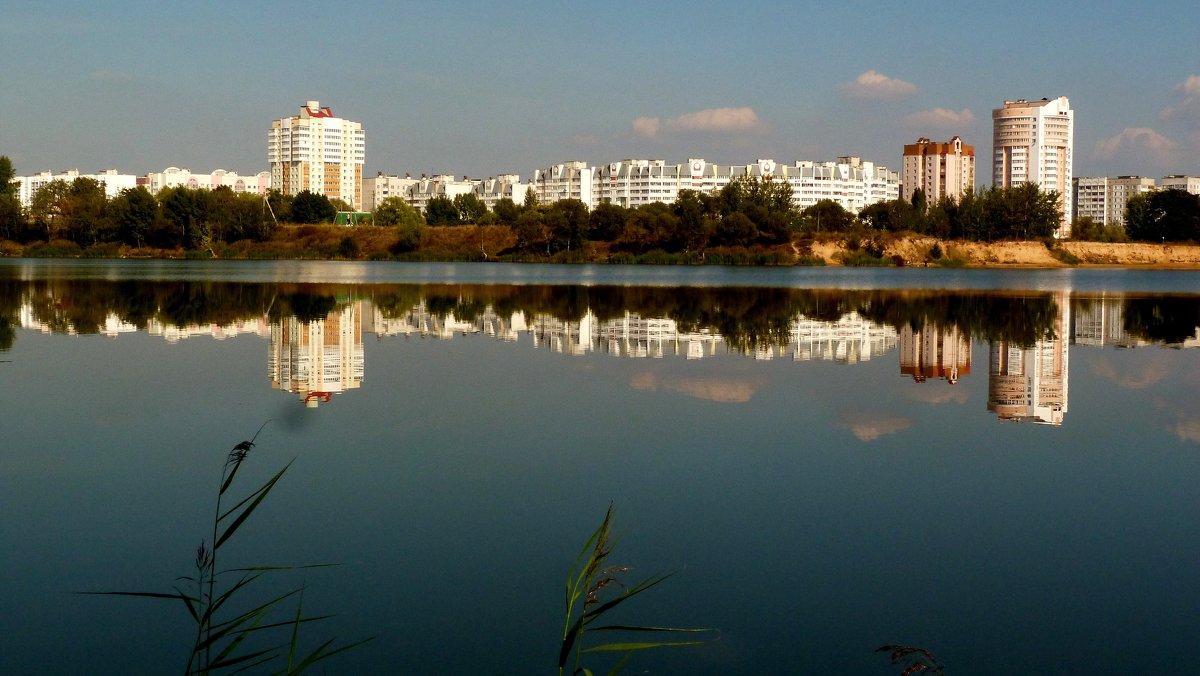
(1032, 142)
(317, 152)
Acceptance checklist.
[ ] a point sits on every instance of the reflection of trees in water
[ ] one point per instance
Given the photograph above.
(1165, 319)
(747, 318)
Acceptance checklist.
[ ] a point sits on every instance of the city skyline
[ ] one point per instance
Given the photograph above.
(481, 90)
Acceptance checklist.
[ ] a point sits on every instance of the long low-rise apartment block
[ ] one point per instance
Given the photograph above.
(849, 181)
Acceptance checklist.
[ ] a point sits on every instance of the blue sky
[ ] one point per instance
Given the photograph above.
(482, 88)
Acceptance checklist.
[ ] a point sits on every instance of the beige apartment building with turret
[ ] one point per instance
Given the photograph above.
(938, 169)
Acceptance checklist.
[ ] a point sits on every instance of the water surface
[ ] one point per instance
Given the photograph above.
(997, 465)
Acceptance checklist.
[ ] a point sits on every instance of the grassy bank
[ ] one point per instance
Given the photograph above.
(498, 243)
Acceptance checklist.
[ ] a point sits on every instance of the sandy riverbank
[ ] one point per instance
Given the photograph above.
(915, 251)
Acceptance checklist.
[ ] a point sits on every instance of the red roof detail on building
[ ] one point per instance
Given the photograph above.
(320, 112)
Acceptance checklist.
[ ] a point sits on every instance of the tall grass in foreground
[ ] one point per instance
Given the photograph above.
(259, 633)
(585, 585)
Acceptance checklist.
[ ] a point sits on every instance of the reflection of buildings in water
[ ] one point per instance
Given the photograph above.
(1098, 322)
(320, 358)
(574, 338)
(173, 334)
(114, 326)
(849, 340)
(1030, 384)
(631, 336)
(934, 352)
(419, 321)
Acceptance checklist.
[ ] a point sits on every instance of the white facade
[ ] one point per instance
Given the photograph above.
(111, 180)
(174, 177)
(318, 152)
(494, 189)
(429, 187)
(376, 190)
(569, 180)
(1032, 142)
(1104, 199)
(1177, 182)
(851, 182)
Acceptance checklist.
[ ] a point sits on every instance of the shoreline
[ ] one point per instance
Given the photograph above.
(898, 251)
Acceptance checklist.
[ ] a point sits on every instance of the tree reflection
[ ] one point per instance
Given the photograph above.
(746, 318)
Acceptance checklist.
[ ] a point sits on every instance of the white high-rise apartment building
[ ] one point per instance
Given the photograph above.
(318, 152)
(938, 169)
(1032, 142)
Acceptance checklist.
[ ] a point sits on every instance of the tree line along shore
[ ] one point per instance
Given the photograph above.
(751, 221)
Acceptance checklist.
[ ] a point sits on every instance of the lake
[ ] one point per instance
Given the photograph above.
(1001, 466)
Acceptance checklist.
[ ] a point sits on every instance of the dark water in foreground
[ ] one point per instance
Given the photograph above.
(1001, 466)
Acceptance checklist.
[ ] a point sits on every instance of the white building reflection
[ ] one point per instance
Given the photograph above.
(849, 340)
(934, 352)
(1029, 384)
(1100, 322)
(318, 359)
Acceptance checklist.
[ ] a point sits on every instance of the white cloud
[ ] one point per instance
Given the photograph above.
(716, 119)
(646, 127)
(871, 427)
(1190, 88)
(1138, 140)
(723, 391)
(1188, 430)
(940, 117)
(875, 85)
(710, 120)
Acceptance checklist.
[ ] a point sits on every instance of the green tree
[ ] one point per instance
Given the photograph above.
(531, 198)
(134, 211)
(309, 207)
(279, 204)
(10, 204)
(185, 213)
(469, 207)
(8, 176)
(506, 211)
(648, 227)
(1163, 216)
(531, 231)
(394, 211)
(86, 212)
(608, 221)
(893, 216)
(919, 203)
(568, 222)
(697, 220)
(826, 216)
(736, 229)
(1021, 212)
(440, 210)
(47, 206)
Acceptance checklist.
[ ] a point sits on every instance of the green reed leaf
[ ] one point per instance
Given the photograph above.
(258, 496)
(629, 647)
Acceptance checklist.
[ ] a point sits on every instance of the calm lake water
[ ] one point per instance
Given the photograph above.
(1000, 466)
